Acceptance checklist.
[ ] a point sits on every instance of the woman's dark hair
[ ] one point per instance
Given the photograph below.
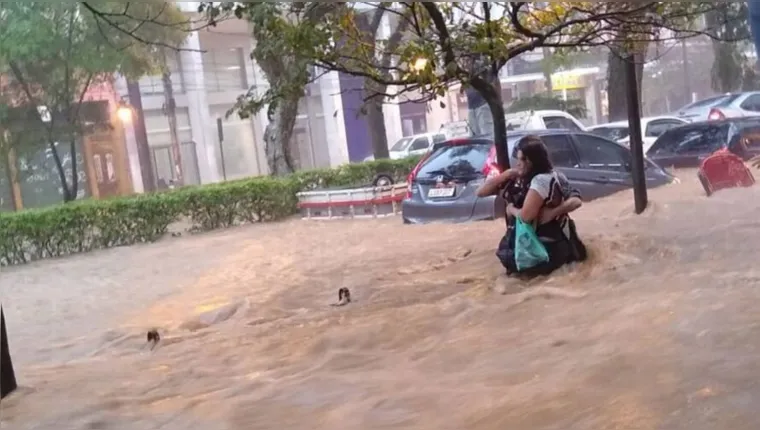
(535, 151)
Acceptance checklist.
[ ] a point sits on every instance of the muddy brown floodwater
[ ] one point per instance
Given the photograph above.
(660, 330)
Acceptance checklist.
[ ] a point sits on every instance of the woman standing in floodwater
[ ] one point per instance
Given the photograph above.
(539, 195)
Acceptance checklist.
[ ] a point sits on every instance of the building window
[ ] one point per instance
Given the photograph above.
(110, 170)
(224, 70)
(155, 85)
(98, 167)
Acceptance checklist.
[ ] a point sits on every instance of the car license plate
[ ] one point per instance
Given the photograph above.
(441, 192)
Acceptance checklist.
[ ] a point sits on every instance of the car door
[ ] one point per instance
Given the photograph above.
(604, 166)
(688, 146)
(419, 146)
(565, 159)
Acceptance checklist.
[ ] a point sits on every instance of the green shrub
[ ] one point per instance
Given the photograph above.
(85, 226)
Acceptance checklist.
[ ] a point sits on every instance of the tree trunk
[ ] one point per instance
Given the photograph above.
(278, 135)
(74, 169)
(171, 114)
(616, 87)
(67, 196)
(491, 93)
(548, 72)
(7, 375)
(141, 136)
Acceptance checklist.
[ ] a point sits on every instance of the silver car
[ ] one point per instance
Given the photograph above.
(443, 187)
(732, 105)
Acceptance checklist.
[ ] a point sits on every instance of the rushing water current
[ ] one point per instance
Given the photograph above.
(659, 330)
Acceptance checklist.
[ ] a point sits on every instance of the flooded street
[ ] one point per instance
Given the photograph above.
(659, 330)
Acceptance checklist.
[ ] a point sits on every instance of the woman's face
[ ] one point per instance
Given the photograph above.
(523, 164)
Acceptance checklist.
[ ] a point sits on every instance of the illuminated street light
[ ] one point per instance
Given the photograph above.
(420, 64)
(124, 112)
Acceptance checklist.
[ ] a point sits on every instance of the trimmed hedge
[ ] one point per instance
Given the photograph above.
(84, 226)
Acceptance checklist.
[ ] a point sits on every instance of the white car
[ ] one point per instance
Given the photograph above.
(543, 120)
(409, 146)
(651, 129)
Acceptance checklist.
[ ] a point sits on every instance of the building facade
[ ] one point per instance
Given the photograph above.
(214, 68)
(208, 75)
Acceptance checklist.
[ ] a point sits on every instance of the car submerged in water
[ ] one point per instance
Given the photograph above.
(443, 186)
(687, 146)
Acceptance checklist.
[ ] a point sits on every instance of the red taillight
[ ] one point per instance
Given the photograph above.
(491, 167)
(715, 115)
(413, 175)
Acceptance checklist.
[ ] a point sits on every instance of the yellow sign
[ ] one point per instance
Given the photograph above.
(566, 81)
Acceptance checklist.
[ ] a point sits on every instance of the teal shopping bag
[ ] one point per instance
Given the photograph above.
(529, 251)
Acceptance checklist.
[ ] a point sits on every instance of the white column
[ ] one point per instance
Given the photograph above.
(260, 86)
(391, 111)
(335, 126)
(133, 155)
(201, 123)
(394, 131)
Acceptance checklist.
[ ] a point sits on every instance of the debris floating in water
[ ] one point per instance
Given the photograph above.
(344, 297)
(153, 338)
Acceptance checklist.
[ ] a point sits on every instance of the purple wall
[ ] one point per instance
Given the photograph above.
(357, 131)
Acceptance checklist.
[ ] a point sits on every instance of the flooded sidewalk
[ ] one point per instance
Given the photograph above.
(659, 330)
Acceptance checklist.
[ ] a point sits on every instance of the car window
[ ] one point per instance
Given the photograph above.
(667, 143)
(601, 154)
(705, 141)
(561, 152)
(703, 138)
(708, 102)
(401, 145)
(438, 138)
(560, 122)
(612, 133)
(727, 100)
(456, 161)
(751, 103)
(659, 126)
(419, 143)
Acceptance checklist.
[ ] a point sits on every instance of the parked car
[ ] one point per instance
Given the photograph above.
(418, 144)
(731, 105)
(443, 186)
(700, 110)
(743, 105)
(689, 145)
(651, 128)
(543, 120)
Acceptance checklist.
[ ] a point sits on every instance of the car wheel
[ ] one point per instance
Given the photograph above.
(382, 180)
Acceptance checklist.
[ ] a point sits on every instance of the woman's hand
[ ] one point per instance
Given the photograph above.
(569, 205)
(512, 211)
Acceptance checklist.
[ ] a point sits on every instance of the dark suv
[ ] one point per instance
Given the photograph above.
(443, 185)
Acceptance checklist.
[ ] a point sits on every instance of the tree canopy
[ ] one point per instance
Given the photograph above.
(444, 40)
(52, 54)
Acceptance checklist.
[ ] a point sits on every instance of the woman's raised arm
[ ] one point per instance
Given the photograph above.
(492, 185)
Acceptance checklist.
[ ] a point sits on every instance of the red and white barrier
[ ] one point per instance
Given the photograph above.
(352, 203)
